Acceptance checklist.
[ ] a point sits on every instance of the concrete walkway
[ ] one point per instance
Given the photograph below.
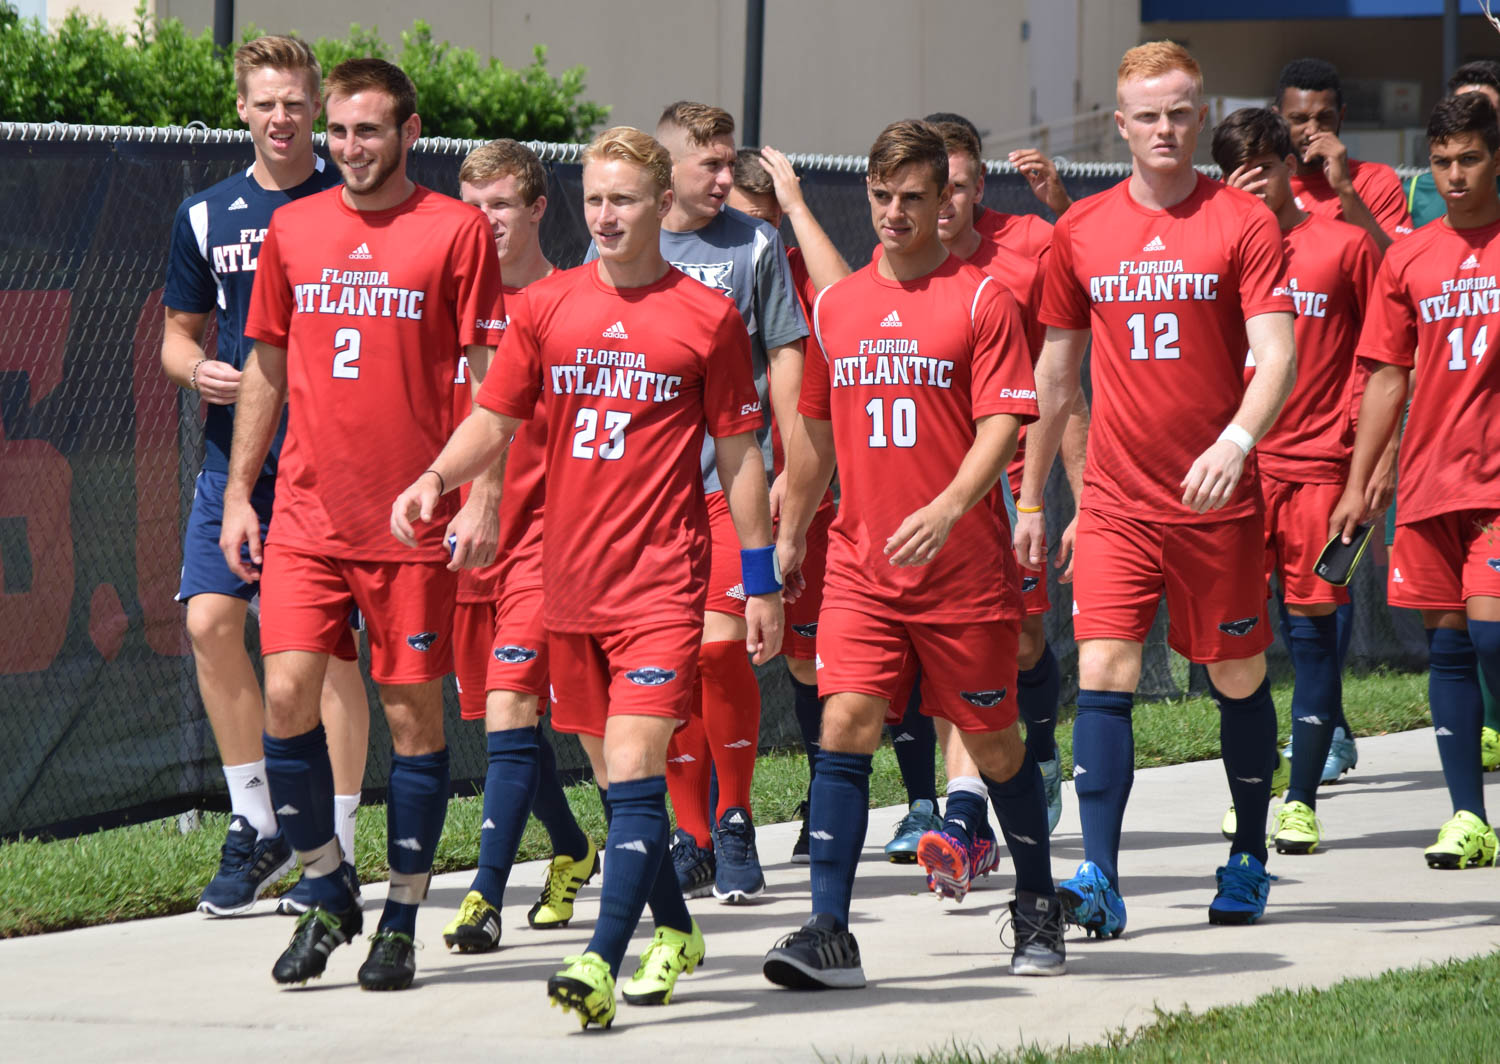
(187, 988)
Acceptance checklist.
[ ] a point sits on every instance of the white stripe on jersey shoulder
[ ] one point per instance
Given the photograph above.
(762, 242)
(198, 219)
(817, 328)
(975, 305)
(318, 162)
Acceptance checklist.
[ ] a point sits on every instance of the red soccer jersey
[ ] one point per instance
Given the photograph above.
(802, 280)
(629, 379)
(374, 309)
(1026, 234)
(1023, 277)
(1330, 269)
(1378, 187)
(903, 371)
(1437, 295)
(1166, 294)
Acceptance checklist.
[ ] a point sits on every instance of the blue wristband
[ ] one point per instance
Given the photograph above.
(760, 571)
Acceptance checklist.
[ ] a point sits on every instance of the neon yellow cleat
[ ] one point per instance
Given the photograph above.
(1489, 749)
(554, 907)
(586, 985)
(476, 928)
(1464, 842)
(1296, 829)
(670, 954)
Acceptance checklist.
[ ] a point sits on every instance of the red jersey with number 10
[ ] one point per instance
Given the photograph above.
(1166, 294)
(1438, 294)
(374, 309)
(629, 379)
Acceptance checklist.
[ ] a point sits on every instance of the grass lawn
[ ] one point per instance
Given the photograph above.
(154, 870)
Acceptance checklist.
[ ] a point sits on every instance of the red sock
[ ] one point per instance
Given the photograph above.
(731, 716)
(687, 775)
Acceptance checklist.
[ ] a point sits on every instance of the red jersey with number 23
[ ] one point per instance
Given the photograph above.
(1437, 294)
(374, 309)
(903, 370)
(629, 379)
(1166, 294)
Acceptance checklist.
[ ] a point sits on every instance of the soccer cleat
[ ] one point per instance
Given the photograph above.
(1489, 749)
(319, 932)
(565, 875)
(248, 864)
(946, 860)
(984, 856)
(299, 899)
(1464, 842)
(1243, 887)
(1091, 903)
(1281, 779)
(1296, 829)
(392, 963)
(802, 848)
(921, 817)
(476, 928)
(1342, 756)
(695, 865)
(1038, 923)
(586, 985)
(1052, 784)
(737, 874)
(670, 954)
(1230, 824)
(819, 955)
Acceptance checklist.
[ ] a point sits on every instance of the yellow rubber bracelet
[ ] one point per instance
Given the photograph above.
(1028, 509)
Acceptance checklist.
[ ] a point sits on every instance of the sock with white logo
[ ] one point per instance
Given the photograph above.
(509, 787)
(250, 796)
(301, 779)
(634, 850)
(668, 906)
(1021, 807)
(809, 709)
(966, 813)
(1103, 772)
(688, 765)
(551, 807)
(1247, 743)
(1313, 645)
(345, 806)
(416, 803)
(914, 741)
(1457, 715)
(837, 820)
(1037, 692)
(731, 719)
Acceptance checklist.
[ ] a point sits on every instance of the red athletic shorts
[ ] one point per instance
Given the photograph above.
(596, 676)
(408, 609)
(968, 669)
(1211, 573)
(1439, 563)
(504, 649)
(473, 636)
(802, 616)
(1296, 532)
(726, 586)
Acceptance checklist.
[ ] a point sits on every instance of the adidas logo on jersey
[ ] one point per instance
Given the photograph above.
(1396, 577)
(1470, 263)
(616, 332)
(361, 252)
(1155, 245)
(239, 204)
(892, 321)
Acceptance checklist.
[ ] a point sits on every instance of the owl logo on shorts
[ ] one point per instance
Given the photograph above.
(806, 631)
(985, 699)
(651, 676)
(1494, 563)
(514, 655)
(1239, 627)
(1029, 583)
(422, 641)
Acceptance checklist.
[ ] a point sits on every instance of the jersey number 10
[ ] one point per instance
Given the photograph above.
(903, 422)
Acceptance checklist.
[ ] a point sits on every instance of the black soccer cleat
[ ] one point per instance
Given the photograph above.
(319, 932)
(392, 963)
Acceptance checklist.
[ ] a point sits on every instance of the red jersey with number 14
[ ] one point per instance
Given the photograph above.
(1438, 294)
(629, 379)
(903, 370)
(1167, 294)
(374, 309)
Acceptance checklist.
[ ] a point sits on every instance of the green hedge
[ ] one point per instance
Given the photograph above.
(155, 73)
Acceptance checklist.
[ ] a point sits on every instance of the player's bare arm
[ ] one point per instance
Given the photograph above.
(475, 446)
(1381, 489)
(261, 397)
(1075, 446)
(1379, 414)
(810, 462)
(923, 533)
(474, 531)
(784, 366)
(1326, 148)
(1214, 475)
(186, 365)
(1058, 370)
(742, 472)
(824, 263)
(1041, 174)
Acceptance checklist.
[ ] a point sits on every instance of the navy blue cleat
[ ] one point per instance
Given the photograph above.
(1091, 903)
(248, 864)
(1244, 886)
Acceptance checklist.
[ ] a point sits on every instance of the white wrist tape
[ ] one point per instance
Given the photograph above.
(1238, 436)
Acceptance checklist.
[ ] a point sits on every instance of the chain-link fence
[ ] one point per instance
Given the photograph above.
(99, 709)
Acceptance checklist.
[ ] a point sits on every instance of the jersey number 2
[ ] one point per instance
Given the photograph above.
(1165, 328)
(346, 354)
(586, 428)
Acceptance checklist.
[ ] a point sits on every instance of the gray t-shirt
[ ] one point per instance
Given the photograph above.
(745, 259)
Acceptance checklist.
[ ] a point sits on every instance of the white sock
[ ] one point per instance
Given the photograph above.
(344, 808)
(250, 796)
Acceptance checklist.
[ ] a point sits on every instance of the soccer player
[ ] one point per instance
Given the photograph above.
(1303, 460)
(633, 360)
(1175, 275)
(216, 237)
(1327, 181)
(916, 387)
(365, 297)
(1028, 234)
(499, 642)
(1434, 304)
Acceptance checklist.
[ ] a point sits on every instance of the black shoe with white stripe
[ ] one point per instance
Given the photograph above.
(319, 932)
(820, 955)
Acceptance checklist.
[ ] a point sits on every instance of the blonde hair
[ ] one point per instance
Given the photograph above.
(1155, 58)
(701, 122)
(276, 53)
(506, 158)
(635, 147)
(902, 144)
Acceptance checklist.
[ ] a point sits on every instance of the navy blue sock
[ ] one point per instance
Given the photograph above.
(1485, 635)
(809, 710)
(636, 844)
(1247, 743)
(510, 782)
(551, 807)
(668, 906)
(301, 780)
(915, 743)
(1103, 771)
(604, 802)
(965, 815)
(837, 821)
(416, 804)
(1037, 691)
(1345, 616)
(1021, 807)
(1457, 715)
(1313, 645)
